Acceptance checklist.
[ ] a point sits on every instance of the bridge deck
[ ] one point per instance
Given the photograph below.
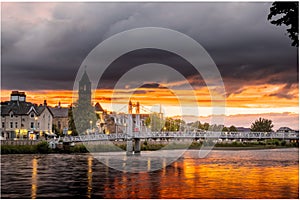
(178, 135)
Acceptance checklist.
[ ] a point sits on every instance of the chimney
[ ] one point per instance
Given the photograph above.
(59, 104)
(45, 102)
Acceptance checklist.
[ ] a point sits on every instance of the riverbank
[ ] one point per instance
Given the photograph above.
(43, 147)
(40, 148)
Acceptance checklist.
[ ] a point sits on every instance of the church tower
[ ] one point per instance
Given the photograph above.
(85, 89)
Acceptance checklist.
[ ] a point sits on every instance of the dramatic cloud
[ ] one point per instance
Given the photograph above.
(43, 44)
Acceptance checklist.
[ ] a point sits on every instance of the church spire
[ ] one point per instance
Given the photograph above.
(84, 92)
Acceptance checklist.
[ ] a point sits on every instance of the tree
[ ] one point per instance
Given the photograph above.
(225, 129)
(215, 127)
(56, 130)
(196, 124)
(262, 125)
(84, 115)
(155, 122)
(288, 15)
(232, 129)
(206, 126)
(71, 124)
(171, 124)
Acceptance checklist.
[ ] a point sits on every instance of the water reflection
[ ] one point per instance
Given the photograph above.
(90, 176)
(149, 164)
(34, 178)
(223, 174)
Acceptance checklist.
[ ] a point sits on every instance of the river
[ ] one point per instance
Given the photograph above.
(222, 174)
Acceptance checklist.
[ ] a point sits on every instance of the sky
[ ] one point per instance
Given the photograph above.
(44, 44)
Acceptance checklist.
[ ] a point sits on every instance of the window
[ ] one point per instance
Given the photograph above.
(38, 125)
(23, 120)
(31, 125)
(11, 114)
(48, 126)
(32, 115)
(3, 124)
(11, 124)
(16, 124)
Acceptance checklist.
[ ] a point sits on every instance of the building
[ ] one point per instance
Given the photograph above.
(60, 118)
(243, 129)
(85, 89)
(24, 120)
(285, 130)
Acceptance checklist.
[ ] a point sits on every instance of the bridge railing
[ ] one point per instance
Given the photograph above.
(182, 135)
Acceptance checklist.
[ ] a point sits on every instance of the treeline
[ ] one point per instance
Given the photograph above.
(208, 127)
(156, 123)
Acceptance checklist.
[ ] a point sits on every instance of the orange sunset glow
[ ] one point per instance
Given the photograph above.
(253, 101)
(253, 96)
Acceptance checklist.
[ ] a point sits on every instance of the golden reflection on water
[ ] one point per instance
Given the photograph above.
(107, 168)
(236, 181)
(208, 178)
(149, 164)
(90, 177)
(34, 178)
(164, 165)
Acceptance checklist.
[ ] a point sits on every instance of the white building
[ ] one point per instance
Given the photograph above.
(24, 120)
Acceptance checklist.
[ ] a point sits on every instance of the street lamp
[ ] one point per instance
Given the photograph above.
(35, 120)
(91, 123)
(125, 131)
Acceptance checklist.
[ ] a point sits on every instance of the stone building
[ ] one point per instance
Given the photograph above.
(60, 118)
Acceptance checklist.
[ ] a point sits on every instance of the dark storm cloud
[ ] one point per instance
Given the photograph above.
(43, 45)
(143, 56)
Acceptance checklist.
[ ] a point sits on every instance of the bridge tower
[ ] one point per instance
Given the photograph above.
(130, 107)
(137, 117)
(133, 127)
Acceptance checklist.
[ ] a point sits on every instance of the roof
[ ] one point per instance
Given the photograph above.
(17, 107)
(98, 108)
(21, 108)
(284, 129)
(243, 129)
(85, 78)
(59, 112)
